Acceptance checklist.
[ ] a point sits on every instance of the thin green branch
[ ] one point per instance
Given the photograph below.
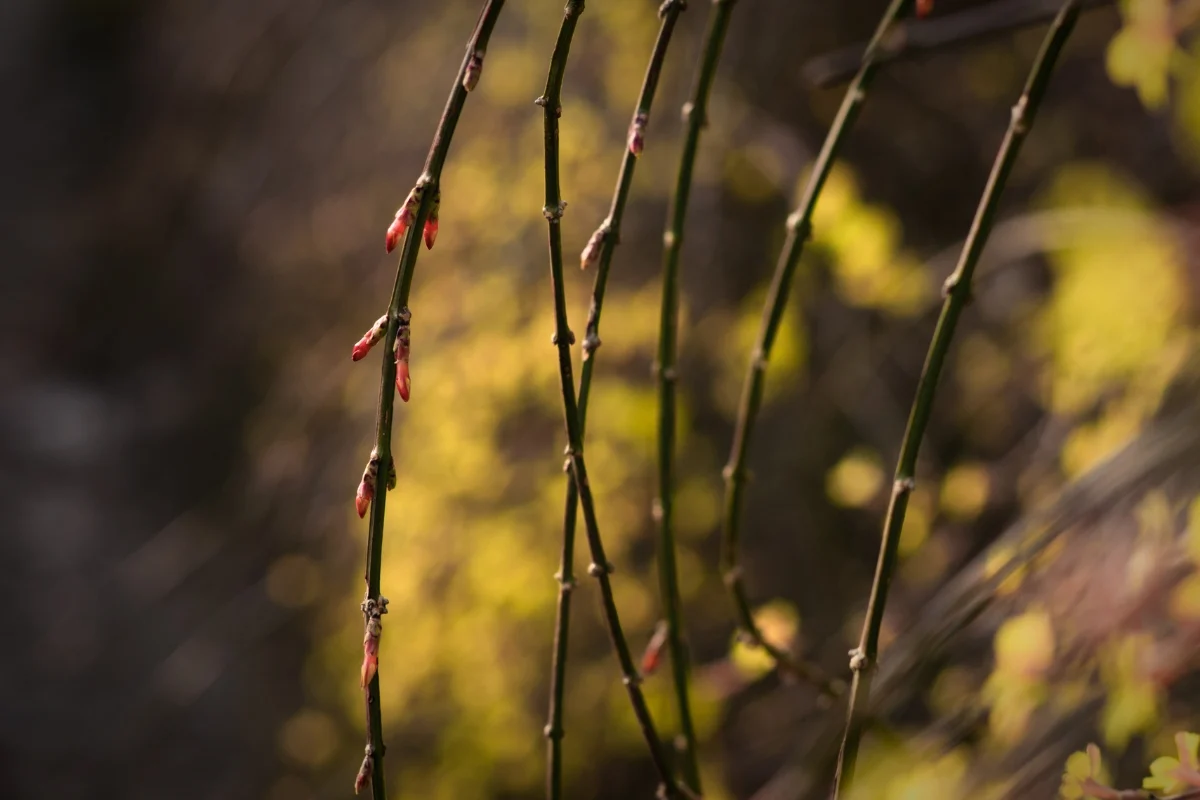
(600, 568)
(799, 226)
(600, 251)
(428, 190)
(957, 292)
(695, 113)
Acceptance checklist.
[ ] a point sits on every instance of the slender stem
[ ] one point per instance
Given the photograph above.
(799, 225)
(607, 237)
(600, 568)
(910, 39)
(429, 183)
(957, 292)
(695, 112)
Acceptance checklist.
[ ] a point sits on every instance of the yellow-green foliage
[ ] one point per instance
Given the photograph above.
(473, 526)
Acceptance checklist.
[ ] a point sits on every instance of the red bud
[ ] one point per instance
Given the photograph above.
(369, 339)
(370, 664)
(637, 134)
(924, 8)
(403, 380)
(366, 487)
(404, 218)
(397, 228)
(652, 658)
(431, 223)
(362, 500)
(364, 772)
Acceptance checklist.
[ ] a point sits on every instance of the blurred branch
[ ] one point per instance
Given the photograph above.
(422, 205)
(799, 225)
(914, 38)
(550, 101)
(957, 293)
(695, 112)
(599, 250)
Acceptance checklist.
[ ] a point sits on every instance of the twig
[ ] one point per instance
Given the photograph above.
(424, 197)
(563, 339)
(957, 292)
(799, 224)
(599, 251)
(695, 112)
(914, 38)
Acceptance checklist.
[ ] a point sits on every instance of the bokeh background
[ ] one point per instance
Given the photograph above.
(193, 206)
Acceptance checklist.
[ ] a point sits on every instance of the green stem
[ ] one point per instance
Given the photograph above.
(600, 568)
(957, 293)
(607, 237)
(429, 182)
(799, 225)
(695, 113)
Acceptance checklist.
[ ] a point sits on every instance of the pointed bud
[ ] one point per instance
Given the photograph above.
(591, 252)
(652, 658)
(364, 772)
(474, 67)
(370, 664)
(431, 223)
(396, 230)
(366, 487)
(637, 134)
(370, 339)
(403, 381)
(404, 218)
(924, 8)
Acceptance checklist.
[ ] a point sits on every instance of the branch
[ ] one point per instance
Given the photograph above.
(418, 216)
(600, 568)
(957, 292)
(695, 112)
(799, 224)
(909, 39)
(599, 250)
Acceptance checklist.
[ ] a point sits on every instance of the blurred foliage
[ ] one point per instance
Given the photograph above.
(472, 534)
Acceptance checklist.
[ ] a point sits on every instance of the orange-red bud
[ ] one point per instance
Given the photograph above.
(431, 223)
(924, 8)
(369, 339)
(404, 218)
(652, 658)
